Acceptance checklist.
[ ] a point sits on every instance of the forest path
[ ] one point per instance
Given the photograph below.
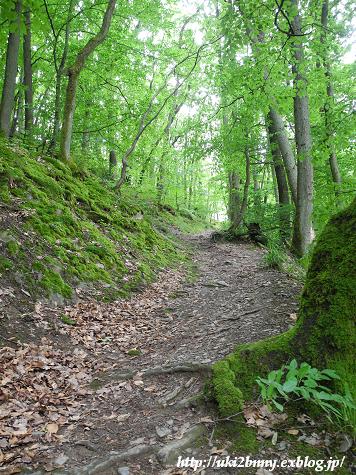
(137, 422)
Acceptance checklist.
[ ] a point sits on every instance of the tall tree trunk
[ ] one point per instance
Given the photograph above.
(17, 113)
(282, 185)
(285, 148)
(112, 163)
(9, 85)
(303, 230)
(274, 117)
(275, 184)
(241, 212)
(234, 203)
(59, 76)
(73, 77)
(27, 72)
(257, 194)
(330, 133)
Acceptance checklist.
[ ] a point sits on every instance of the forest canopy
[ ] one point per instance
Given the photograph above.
(237, 110)
(172, 173)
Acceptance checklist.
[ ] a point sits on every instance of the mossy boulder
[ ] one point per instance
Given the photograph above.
(324, 335)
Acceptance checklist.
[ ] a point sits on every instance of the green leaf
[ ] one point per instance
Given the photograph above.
(293, 364)
(292, 373)
(331, 373)
(304, 393)
(310, 383)
(303, 370)
(278, 405)
(290, 385)
(272, 376)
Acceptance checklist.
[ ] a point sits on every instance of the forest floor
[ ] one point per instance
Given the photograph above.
(115, 388)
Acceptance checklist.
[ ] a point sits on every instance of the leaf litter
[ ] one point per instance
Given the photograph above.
(124, 324)
(43, 388)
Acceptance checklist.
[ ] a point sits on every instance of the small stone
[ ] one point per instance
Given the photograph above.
(282, 445)
(56, 299)
(123, 471)
(137, 441)
(61, 460)
(346, 443)
(163, 431)
(222, 283)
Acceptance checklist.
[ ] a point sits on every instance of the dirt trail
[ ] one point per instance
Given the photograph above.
(137, 422)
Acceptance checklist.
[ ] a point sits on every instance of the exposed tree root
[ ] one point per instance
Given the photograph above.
(189, 367)
(97, 467)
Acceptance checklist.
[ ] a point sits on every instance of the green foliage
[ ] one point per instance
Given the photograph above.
(134, 352)
(5, 264)
(67, 320)
(304, 382)
(275, 258)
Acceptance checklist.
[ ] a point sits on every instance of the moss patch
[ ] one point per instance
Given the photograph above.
(74, 229)
(243, 437)
(325, 333)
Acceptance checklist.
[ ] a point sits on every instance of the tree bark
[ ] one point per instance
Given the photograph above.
(282, 185)
(9, 85)
(241, 212)
(303, 230)
(112, 163)
(73, 77)
(17, 115)
(330, 133)
(234, 203)
(59, 75)
(27, 71)
(286, 151)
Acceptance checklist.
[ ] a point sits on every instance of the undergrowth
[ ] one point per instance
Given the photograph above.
(64, 226)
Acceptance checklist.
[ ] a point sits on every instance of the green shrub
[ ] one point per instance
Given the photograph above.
(304, 382)
(274, 258)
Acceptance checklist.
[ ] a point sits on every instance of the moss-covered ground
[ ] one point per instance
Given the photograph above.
(63, 226)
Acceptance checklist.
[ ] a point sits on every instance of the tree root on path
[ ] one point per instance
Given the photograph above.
(189, 401)
(188, 367)
(97, 467)
(86, 444)
(180, 368)
(166, 455)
